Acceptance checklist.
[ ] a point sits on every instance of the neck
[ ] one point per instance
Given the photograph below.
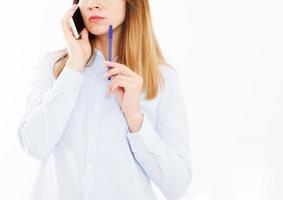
(101, 43)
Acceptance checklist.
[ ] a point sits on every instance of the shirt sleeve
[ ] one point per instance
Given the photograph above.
(163, 150)
(48, 108)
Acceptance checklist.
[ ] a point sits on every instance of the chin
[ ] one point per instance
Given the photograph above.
(98, 30)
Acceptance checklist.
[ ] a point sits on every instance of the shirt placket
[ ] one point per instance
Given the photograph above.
(89, 171)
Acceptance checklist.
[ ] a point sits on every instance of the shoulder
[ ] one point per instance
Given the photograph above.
(45, 63)
(171, 92)
(167, 70)
(170, 76)
(48, 59)
(52, 56)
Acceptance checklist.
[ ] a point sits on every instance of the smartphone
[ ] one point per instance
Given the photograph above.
(77, 23)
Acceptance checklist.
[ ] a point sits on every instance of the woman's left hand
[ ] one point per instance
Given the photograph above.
(128, 86)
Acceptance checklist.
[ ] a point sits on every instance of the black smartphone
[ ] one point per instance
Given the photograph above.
(77, 23)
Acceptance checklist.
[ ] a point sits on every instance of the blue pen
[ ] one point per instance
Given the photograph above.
(110, 36)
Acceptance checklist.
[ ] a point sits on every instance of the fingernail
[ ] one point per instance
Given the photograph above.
(104, 75)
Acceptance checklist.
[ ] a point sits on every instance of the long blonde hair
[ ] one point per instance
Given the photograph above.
(138, 49)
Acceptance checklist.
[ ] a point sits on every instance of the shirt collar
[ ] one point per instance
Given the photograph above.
(97, 54)
(96, 66)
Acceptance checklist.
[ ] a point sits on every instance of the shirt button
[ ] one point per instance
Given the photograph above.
(86, 197)
(89, 166)
(91, 137)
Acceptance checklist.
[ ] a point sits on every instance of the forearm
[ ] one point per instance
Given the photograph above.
(134, 121)
(42, 127)
(167, 164)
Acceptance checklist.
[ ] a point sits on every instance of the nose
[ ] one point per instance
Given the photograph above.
(94, 5)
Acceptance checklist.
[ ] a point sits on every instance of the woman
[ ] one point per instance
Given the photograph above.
(107, 139)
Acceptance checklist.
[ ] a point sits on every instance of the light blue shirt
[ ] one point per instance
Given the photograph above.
(87, 152)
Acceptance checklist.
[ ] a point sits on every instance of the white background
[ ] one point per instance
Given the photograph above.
(229, 57)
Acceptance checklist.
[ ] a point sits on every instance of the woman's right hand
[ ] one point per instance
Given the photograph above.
(79, 51)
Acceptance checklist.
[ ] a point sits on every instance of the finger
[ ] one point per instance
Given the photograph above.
(65, 22)
(124, 82)
(69, 14)
(71, 11)
(116, 71)
(118, 65)
(113, 64)
(66, 18)
(123, 77)
(117, 84)
(84, 34)
(67, 31)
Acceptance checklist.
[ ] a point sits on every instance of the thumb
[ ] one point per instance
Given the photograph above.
(84, 34)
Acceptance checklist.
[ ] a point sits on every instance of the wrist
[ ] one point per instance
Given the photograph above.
(74, 66)
(133, 115)
(134, 121)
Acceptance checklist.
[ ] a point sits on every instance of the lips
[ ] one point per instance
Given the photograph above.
(93, 17)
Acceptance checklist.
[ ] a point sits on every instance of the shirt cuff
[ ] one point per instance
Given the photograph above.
(68, 79)
(144, 138)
